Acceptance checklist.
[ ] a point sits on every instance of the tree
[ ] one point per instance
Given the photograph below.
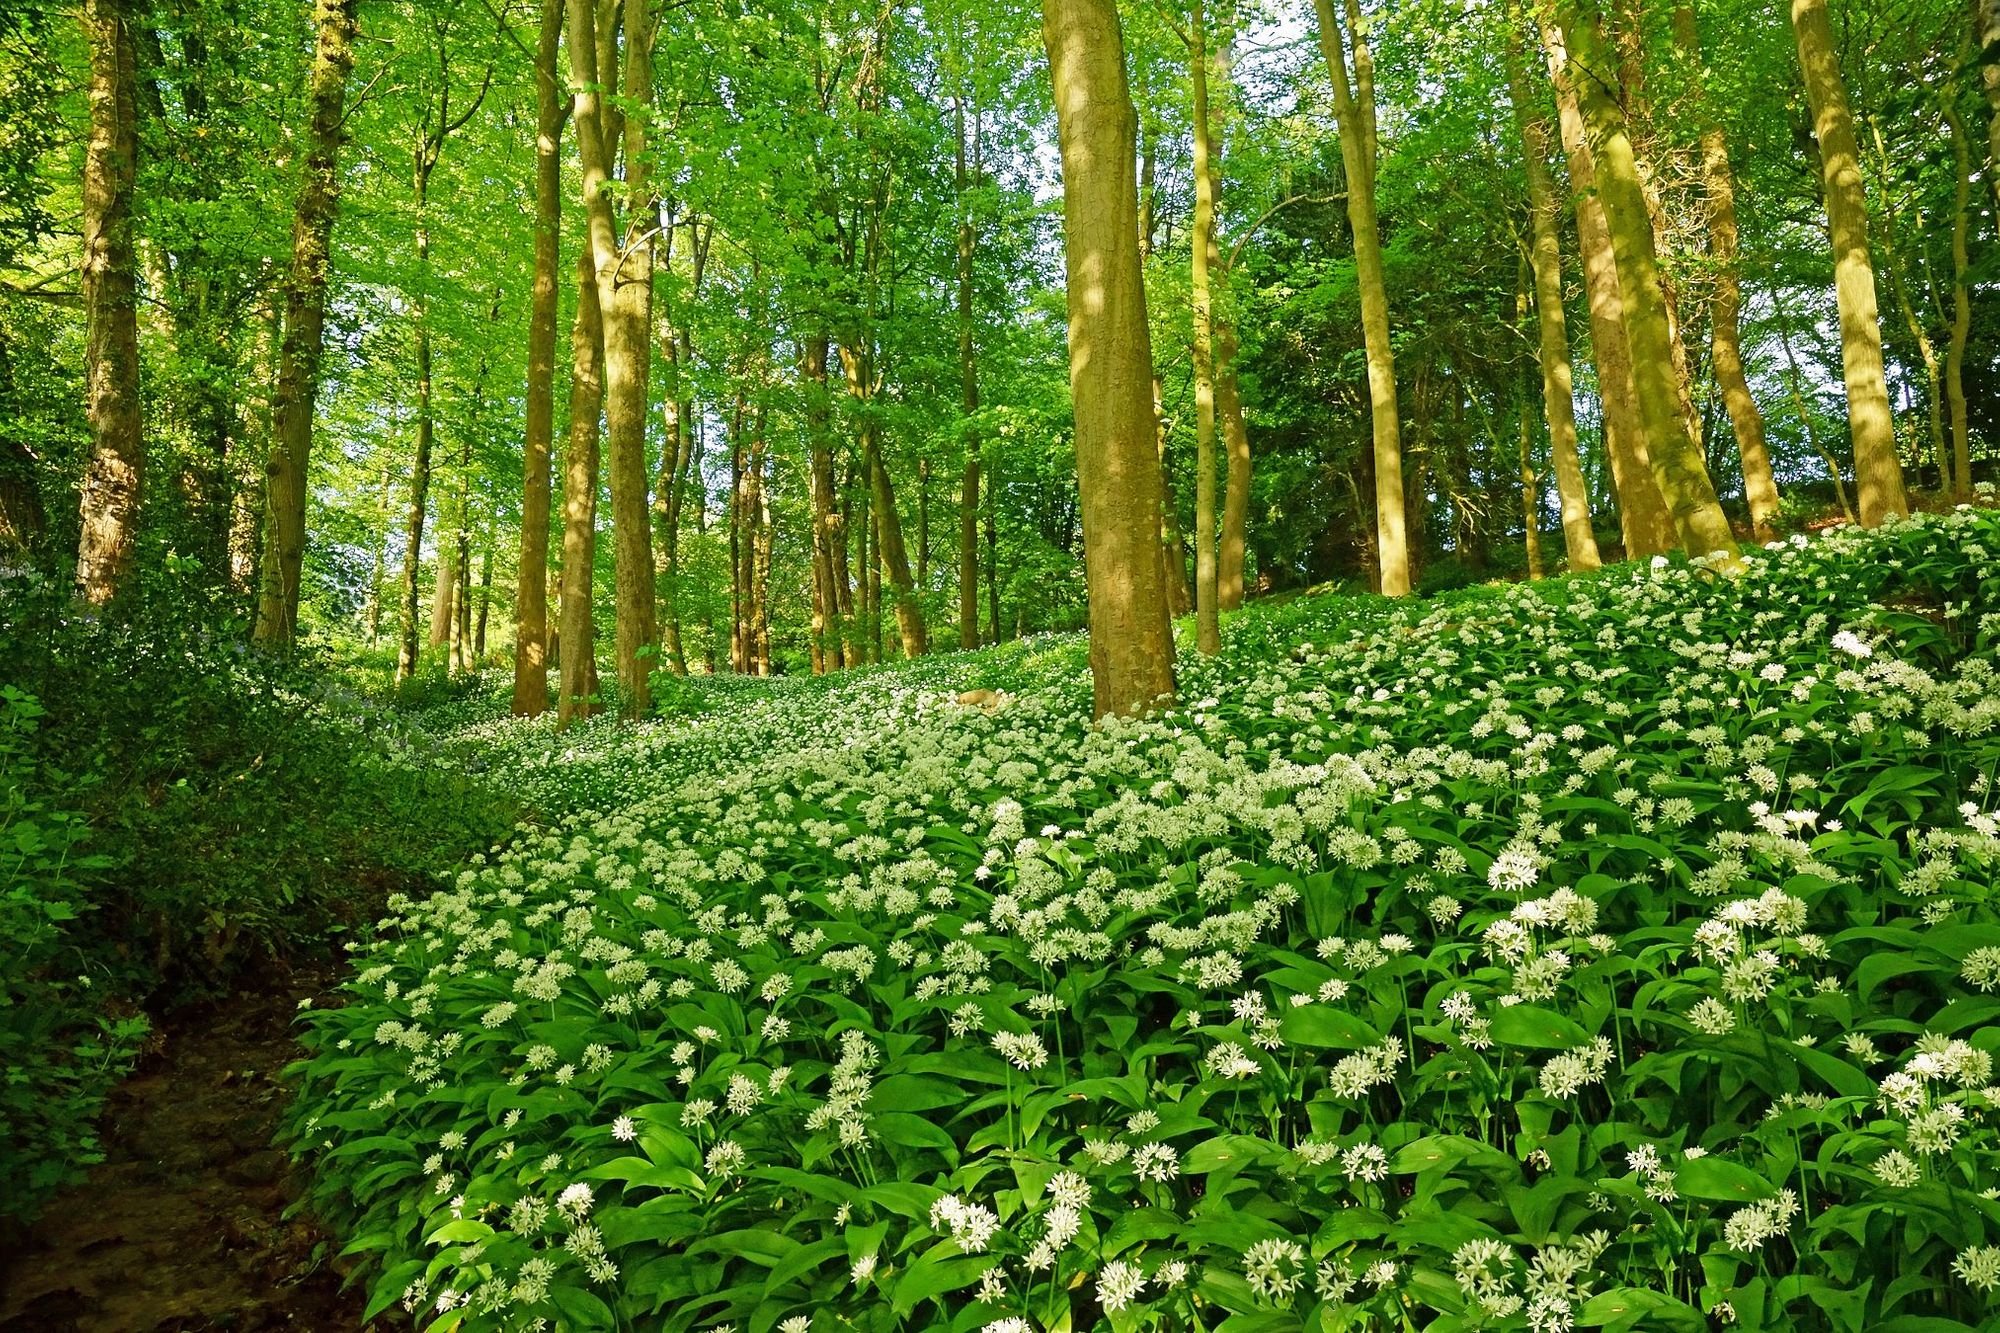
(1677, 465)
(1355, 109)
(578, 637)
(531, 630)
(305, 321)
(112, 479)
(1545, 256)
(625, 299)
(1110, 359)
(1878, 475)
(1760, 487)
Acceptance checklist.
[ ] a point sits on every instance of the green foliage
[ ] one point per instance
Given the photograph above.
(60, 1050)
(175, 811)
(1611, 952)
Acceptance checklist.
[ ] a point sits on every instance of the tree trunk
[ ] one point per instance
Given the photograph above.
(1531, 494)
(968, 374)
(1986, 14)
(828, 536)
(1233, 540)
(1760, 487)
(305, 321)
(760, 551)
(113, 476)
(579, 539)
(485, 603)
(531, 596)
(1877, 473)
(1207, 623)
(1558, 401)
(859, 364)
(1644, 523)
(625, 303)
(1355, 111)
(1961, 301)
(1111, 360)
(993, 551)
(1677, 464)
(413, 541)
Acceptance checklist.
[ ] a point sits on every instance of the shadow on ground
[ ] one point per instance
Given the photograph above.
(182, 1227)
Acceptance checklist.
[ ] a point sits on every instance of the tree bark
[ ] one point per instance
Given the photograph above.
(1207, 622)
(1558, 401)
(113, 476)
(1355, 111)
(858, 362)
(827, 534)
(1878, 475)
(1760, 487)
(1232, 543)
(968, 374)
(290, 456)
(531, 597)
(1110, 358)
(579, 539)
(1961, 301)
(1644, 523)
(625, 302)
(1677, 464)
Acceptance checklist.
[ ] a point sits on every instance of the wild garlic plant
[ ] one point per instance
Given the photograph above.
(1615, 952)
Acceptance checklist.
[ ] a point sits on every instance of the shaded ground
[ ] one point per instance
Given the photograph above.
(182, 1227)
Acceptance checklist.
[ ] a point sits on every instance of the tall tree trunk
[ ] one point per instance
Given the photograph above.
(531, 595)
(760, 551)
(1531, 492)
(739, 556)
(1110, 360)
(828, 536)
(1355, 110)
(1644, 523)
(1986, 14)
(444, 588)
(1207, 623)
(1877, 473)
(246, 517)
(858, 361)
(113, 476)
(579, 538)
(485, 603)
(1545, 256)
(413, 539)
(1232, 542)
(991, 524)
(1760, 487)
(1961, 300)
(1173, 549)
(290, 455)
(677, 464)
(1678, 467)
(968, 374)
(625, 302)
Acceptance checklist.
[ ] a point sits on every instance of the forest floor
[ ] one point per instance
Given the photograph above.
(182, 1228)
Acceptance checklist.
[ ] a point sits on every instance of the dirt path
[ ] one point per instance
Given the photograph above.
(182, 1227)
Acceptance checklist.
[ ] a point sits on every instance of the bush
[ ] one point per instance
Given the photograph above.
(60, 1049)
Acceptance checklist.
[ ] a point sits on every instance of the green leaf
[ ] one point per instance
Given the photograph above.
(1530, 1026)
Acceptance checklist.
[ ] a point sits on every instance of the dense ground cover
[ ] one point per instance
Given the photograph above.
(1611, 952)
(178, 815)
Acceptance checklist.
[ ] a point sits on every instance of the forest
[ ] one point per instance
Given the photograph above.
(891, 665)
